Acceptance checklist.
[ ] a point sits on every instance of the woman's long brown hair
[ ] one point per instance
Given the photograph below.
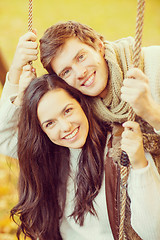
(44, 166)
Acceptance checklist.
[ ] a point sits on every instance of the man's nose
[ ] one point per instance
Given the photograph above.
(81, 71)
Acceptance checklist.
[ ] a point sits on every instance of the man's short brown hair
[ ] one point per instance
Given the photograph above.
(56, 35)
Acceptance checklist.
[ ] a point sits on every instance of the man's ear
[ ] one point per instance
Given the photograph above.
(100, 47)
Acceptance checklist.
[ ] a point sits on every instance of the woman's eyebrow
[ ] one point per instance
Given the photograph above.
(49, 120)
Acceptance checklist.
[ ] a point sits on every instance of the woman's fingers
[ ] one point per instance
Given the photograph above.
(132, 144)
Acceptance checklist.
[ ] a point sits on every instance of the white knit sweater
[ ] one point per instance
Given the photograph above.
(94, 228)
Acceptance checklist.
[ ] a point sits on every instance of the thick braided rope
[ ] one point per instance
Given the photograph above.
(30, 16)
(137, 45)
(131, 116)
(124, 176)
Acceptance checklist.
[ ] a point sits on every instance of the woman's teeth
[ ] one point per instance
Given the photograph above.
(72, 134)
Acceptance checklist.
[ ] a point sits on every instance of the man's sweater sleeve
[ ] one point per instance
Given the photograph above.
(8, 120)
(9, 89)
(144, 192)
(8, 129)
(152, 70)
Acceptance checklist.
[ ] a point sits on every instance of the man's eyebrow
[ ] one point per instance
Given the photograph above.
(72, 59)
(49, 120)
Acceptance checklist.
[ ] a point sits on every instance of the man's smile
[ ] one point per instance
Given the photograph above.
(89, 80)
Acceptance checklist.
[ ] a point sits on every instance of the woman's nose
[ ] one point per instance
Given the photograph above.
(65, 125)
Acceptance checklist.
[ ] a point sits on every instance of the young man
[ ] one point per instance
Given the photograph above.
(98, 68)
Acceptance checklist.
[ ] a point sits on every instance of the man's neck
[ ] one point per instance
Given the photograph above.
(103, 93)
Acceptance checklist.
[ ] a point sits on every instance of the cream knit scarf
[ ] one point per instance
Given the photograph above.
(112, 109)
(118, 55)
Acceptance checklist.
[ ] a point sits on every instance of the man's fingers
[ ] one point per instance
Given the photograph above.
(34, 31)
(30, 45)
(132, 126)
(29, 52)
(137, 74)
(29, 36)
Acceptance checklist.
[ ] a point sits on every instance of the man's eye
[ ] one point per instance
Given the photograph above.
(81, 57)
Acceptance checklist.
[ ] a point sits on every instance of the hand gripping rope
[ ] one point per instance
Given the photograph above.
(131, 116)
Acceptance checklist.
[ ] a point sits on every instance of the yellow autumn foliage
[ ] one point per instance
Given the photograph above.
(8, 196)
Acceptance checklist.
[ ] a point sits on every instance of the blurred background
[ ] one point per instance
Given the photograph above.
(113, 19)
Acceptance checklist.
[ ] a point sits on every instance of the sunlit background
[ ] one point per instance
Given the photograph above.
(113, 19)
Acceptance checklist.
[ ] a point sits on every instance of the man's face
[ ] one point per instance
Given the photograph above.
(82, 67)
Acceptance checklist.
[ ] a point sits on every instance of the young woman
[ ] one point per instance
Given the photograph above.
(61, 149)
(51, 122)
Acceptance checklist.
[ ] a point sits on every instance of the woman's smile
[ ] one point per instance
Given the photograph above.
(72, 135)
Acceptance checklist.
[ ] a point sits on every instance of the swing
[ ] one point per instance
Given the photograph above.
(124, 170)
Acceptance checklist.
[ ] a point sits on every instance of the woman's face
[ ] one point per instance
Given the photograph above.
(62, 119)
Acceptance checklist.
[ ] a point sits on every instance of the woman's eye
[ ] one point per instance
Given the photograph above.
(49, 124)
(66, 73)
(68, 110)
